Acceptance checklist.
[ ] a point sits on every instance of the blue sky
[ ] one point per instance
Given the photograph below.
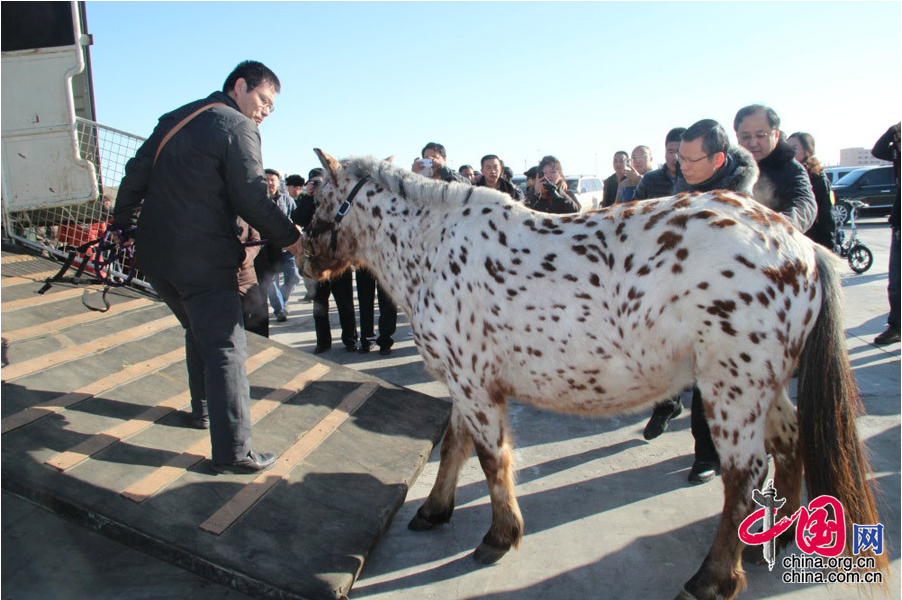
(519, 79)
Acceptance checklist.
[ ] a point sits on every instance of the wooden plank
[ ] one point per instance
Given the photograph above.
(30, 278)
(165, 475)
(60, 356)
(80, 318)
(256, 489)
(55, 405)
(38, 300)
(16, 258)
(100, 441)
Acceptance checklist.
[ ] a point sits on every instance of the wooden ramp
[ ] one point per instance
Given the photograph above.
(95, 428)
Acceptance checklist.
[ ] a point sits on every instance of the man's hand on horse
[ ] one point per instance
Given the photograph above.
(297, 248)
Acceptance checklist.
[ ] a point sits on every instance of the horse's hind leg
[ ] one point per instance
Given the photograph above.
(782, 442)
(456, 447)
(737, 427)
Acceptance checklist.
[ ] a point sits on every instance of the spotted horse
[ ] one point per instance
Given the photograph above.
(604, 312)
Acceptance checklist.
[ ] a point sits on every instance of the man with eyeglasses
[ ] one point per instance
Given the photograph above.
(189, 188)
(707, 162)
(659, 182)
(783, 185)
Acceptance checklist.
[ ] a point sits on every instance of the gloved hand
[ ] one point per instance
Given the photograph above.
(552, 190)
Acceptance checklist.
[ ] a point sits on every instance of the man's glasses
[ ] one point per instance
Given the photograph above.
(760, 136)
(266, 102)
(683, 159)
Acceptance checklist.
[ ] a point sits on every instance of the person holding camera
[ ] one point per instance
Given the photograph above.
(887, 148)
(550, 193)
(432, 164)
(341, 287)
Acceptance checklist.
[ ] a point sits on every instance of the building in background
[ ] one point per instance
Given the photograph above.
(859, 157)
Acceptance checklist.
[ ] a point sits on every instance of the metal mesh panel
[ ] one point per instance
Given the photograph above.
(57, 229)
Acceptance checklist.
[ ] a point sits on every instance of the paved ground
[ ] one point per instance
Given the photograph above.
(608, 515)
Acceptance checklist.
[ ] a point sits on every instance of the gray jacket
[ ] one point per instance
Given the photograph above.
(207, 174)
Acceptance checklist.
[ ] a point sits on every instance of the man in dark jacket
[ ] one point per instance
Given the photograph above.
(189, 194)
(707, 162)
(783, 185)
(659, 183)
(887, 148)
(492, 169)
(612, 183)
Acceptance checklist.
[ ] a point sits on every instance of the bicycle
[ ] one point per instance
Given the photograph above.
(859, 256)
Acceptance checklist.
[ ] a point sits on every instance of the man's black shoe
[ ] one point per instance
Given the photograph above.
(890, 336)
(660, 418)
(254, 462)
(320, 349)
(364, 348)
(351, 348)
(703, 471)
(384, 350)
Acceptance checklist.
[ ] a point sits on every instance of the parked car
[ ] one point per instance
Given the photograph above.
(588, 189)
(834, 174)
(875, 186)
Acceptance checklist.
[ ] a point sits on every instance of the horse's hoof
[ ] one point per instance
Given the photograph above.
(488, 555)
(418, 523)
(684, 595)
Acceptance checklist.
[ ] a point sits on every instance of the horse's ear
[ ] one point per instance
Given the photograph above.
(390, 159)
(329, 164)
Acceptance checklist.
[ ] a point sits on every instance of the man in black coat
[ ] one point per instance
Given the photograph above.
(659, 183)
(887, 148)
(492, 170)
(189, 193)
(707, 163)
(783, 185)
(612, 183)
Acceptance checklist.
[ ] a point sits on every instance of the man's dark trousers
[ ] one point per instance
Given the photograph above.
(342, 290)
(367, 287)
(215, 352)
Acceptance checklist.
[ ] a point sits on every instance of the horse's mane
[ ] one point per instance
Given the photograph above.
(418, 189)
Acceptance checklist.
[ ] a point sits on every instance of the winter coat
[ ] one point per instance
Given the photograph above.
(611, 186)
(566, 204)
(738, 173)
(655, 184)
(783, 186)
(887, 148)
(207, 174)
(503, 186)
(824, 229)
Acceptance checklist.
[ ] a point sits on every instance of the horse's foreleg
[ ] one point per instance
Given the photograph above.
(456, 448)
(782, 442)
(494, 449)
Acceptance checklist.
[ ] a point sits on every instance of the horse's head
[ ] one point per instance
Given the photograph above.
(328, 245)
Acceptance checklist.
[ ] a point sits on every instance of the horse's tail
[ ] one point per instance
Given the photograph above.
(828, 401)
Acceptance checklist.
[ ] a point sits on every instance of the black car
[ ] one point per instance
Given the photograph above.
(875, 186)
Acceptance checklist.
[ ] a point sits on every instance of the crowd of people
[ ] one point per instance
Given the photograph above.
(209, 197)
